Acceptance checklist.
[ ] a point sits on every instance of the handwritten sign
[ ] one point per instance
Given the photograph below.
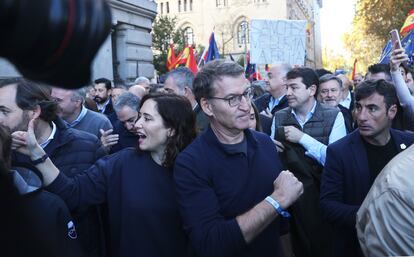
(278, 41)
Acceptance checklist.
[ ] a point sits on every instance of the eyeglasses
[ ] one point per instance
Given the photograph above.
(235, 100)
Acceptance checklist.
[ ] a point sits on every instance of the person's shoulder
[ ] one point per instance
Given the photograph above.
(343, 143)
(77, 134)
(97, 116)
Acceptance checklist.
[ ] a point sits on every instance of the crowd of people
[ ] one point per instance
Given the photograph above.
(205, 165)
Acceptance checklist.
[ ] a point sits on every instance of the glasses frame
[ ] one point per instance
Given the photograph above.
(247, 94)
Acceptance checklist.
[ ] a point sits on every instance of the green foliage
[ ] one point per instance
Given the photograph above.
(163, 30)
(332, 61)
(373, 21)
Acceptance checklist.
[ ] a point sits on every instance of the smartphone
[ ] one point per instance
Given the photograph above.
(395, 38)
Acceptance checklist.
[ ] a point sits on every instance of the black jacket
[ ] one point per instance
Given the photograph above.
(126, 138)
(48, 217)
(73, 151)
(263, 102)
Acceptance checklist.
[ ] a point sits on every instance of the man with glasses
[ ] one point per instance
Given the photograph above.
(124, 133)
(305, 129)
(230, 185)
(330, 92)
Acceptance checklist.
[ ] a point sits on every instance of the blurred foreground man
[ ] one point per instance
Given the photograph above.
(71, 150)
(229, 182)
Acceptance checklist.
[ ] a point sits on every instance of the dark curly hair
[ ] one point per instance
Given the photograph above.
(30, 94)
(5, 147)
(177, 114)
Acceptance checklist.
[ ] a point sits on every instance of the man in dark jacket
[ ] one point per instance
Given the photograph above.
(72, 151)
(229, 181)
(103, 89)
(353, 162)
(180, 81)
(124, 133)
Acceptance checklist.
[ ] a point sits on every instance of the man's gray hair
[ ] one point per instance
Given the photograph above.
(212, 72)
(126, 99)
(182, 76)
(79, 95)
(328, 77)
(142, 80)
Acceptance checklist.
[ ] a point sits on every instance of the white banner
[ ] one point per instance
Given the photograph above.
(278, 41)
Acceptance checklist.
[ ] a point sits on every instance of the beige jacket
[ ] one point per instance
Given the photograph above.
(385, 221)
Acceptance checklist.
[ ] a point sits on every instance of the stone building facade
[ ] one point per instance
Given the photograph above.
(126, 54)
(230, 21)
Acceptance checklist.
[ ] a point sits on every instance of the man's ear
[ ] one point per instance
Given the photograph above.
(392, 111)
(206, 106)
(312, 90)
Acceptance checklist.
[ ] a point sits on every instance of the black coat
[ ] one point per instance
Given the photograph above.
(263, 102)
(73, 151)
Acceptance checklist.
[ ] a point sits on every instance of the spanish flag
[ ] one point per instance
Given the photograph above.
(408, 24)
(171, 57)
(186, 58)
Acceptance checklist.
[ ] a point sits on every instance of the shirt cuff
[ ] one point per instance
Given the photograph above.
(307, 141)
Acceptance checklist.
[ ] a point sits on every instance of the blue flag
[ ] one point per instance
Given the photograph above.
(213, 52)
(407, 43)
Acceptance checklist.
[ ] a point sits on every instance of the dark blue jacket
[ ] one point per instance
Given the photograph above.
(263, 102)
(214, 187)
(126, 138)
(73, 151)
(345, 183)
(143, 213)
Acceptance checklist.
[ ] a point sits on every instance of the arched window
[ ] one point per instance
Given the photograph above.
(188, 36)
(185, 5)
(179, 5)
(243, 32)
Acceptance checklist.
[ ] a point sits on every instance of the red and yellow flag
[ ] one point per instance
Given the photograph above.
(185, 58)
(408, 24)
(171, 57)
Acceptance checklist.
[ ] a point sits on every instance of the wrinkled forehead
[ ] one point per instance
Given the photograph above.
(226, 85)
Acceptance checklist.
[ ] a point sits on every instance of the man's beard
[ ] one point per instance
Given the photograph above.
(23, 124)
(100, 100)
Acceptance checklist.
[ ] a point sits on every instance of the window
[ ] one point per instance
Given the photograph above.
(185, 5)
(243, 33)
(168, 7)
(221, 3)
(179, 5)
(191, 5)
(162, 8)
(189, 36)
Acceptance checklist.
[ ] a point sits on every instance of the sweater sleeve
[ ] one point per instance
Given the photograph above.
(85, 189)
(210, 233)
(404, 96)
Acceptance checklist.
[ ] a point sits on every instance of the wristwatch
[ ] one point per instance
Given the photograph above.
(277, 207)
(40, 160)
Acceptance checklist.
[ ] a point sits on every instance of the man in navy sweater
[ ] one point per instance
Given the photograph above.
(229, 182)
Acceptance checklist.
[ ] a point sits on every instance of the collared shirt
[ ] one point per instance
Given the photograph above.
(78, 119)
(102, 107)
(347, 101)
(273, 102)
(314, 148)
(51, 136)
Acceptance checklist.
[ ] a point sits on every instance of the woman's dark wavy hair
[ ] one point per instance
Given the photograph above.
(5, 147)
(177, 114)
(30, 94)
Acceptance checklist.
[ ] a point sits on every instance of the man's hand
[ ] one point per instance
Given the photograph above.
(398, 56)
(108, 139)
(287, 189)
(266, 113)
(25, 142)
(293, 134)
